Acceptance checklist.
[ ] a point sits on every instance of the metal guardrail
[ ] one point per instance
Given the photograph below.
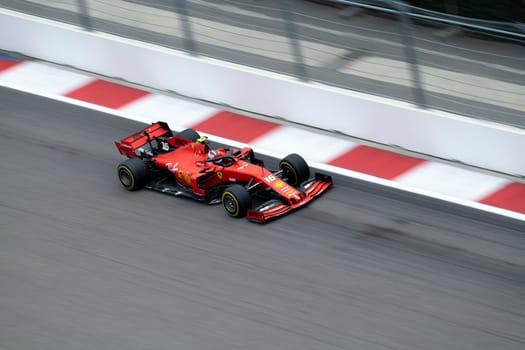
(510, 29)
(379, 47)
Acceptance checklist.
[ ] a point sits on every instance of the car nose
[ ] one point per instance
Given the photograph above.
(296, 198)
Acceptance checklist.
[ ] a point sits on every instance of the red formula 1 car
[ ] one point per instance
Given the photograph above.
(184, 164)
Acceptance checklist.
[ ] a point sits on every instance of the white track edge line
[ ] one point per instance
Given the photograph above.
(322, 166)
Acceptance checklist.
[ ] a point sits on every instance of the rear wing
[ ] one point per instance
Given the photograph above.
(128, 145)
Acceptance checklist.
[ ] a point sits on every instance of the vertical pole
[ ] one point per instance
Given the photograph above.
(410, 53)
(300, 68)
(182, 9)
(85, 19)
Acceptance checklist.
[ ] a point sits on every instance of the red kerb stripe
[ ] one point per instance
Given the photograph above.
(6, 64)
(107, 94)
(235, 126)
(510, 197)
(376, 162)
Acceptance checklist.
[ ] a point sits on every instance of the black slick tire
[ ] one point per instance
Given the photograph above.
(236, 200)
(189, 134)
(133, 174)
(295, 169)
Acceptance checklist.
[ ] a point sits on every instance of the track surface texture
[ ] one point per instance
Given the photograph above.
(86, 265)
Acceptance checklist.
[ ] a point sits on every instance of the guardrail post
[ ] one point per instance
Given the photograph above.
(83, 13)
(410, 52)
(300, 68)
(189, 42)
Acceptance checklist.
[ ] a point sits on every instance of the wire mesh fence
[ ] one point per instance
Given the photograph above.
(386, 48)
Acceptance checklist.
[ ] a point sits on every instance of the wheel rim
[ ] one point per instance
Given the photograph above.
(125, 178)
(229, 204)
(290, 174)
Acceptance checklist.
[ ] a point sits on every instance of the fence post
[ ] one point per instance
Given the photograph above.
(410, 52)
(85, 19)
(300, 68)
(182, 9)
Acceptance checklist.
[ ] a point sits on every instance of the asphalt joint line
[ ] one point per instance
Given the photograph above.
(447, 33)
(345, 58)
(351, 12)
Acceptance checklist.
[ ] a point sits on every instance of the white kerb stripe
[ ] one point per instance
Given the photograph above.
(172, 110)
(44, 78)
(313, 146)
(452, 181)
(281, 153)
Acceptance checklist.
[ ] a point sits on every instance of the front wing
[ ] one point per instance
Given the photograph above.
(310, 189)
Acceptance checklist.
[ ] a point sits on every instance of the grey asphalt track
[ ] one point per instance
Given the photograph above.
(86, 265)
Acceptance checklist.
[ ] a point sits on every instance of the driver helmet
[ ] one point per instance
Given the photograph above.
(212, 154)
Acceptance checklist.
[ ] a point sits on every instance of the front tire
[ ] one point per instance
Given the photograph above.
(133, 174)
(236, 200)
(295, 169)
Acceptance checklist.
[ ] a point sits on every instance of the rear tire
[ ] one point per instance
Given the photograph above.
(189, 134)
(295, 169)
(236, 200)
(133, 174)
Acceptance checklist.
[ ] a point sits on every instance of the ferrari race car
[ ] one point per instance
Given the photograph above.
(184, 164)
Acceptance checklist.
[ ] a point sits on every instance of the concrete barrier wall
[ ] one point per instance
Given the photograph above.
(439, 134)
